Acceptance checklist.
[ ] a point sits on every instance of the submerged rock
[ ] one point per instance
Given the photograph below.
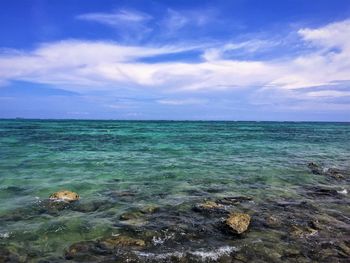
(85, 251)
(334, 172)
(150, 209)
(272, 221)
(322, 192)
(315, 168)
(238, 222)
(7, 256)
(64, 195)
(103, 250)
(302, 232)
(233, 200)
(207, 205)
(123, 241)
(139, 213)
(329, 172)
(130, 215)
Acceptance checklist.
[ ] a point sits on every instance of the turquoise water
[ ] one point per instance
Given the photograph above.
(119, 166)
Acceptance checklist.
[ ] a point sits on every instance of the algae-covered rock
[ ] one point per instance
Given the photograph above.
(238, 222)
(64, 195)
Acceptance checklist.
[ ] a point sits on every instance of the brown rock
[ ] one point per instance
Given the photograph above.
(238, 222)
(64, 195)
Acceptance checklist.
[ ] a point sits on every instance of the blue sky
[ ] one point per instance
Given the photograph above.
(193, 60)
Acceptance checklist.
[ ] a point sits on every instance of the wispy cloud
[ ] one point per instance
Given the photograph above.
(132, 26)
(116, 18)
(176, 20)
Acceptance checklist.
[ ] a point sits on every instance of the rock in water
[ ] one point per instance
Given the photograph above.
(315, 168)
(238, 222)
(64, 195)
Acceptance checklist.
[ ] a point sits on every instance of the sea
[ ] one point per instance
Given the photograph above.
(142, 186)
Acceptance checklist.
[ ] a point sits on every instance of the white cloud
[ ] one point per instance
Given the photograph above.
(83, 66)
(332, 35)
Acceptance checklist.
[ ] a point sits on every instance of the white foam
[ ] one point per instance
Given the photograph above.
(5, 235)
(343, 192)
(159, 240)
(215, 254)
(160, 256)
(200, 254)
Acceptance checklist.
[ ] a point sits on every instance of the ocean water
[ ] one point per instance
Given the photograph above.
(125, 166)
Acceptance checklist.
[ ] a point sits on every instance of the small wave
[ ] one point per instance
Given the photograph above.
(161, 256)
(202, 255)
(215, 254)
(159, 240)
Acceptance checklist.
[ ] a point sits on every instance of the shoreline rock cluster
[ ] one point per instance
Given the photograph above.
(291, 230)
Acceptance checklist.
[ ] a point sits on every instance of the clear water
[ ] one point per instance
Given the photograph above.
(162, 163)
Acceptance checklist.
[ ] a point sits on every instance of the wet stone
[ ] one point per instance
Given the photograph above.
(65, 196)
(238, 222)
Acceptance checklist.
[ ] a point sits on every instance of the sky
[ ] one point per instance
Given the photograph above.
(268, 60)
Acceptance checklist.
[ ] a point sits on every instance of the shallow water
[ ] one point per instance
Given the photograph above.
(122, 166)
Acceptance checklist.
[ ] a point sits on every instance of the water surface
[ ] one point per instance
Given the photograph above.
(122, 166)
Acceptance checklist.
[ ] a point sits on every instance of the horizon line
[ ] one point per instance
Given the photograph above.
(167, 120)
